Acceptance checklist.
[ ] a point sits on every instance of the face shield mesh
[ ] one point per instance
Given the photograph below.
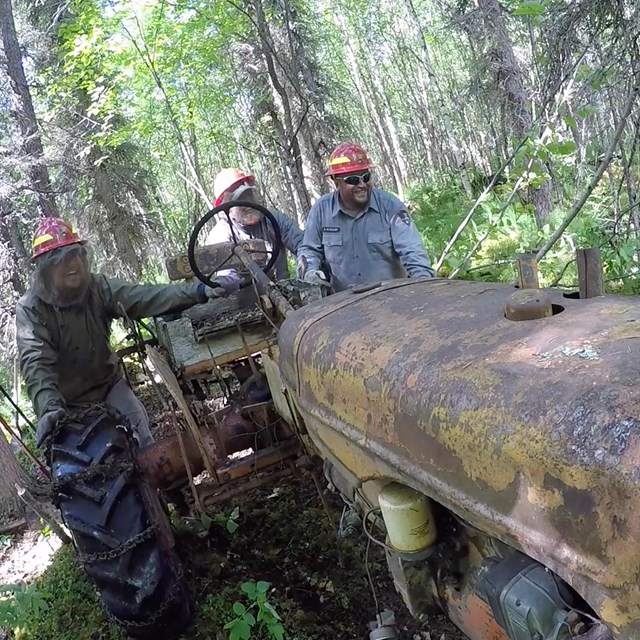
(62, 276)
(241, 216)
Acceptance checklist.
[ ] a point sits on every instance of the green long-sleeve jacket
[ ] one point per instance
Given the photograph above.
(65, 355)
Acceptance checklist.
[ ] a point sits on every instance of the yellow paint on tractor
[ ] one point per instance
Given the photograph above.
(528, 430)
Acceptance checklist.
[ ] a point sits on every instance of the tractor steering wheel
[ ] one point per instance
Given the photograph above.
(226, 207)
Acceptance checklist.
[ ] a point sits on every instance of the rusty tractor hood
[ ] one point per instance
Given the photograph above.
(529, 430)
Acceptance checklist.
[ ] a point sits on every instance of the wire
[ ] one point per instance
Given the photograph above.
(373, 588)
(370, 535)
(566, 604)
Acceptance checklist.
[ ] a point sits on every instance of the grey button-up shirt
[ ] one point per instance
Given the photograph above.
(381, 243)
(291, 237)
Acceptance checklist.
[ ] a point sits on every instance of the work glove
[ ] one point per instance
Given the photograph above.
(316, 276)
(217, 292)
(46, 424)
(225, 285)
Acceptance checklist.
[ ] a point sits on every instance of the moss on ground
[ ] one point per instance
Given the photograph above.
(74, 611)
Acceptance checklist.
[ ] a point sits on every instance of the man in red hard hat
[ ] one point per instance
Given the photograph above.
(362, 233)
(233, 184)
(63, 326)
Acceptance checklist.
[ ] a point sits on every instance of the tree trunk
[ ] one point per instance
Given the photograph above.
(292, 132)
(452, 139)
(18, 260)
(317, 128)
(25, 114)
(11, 507)
(370, 105)
(509, 81)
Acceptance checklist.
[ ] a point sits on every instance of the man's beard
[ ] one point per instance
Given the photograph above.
(65, 296)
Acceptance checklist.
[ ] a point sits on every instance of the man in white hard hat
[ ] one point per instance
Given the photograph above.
(233, 184)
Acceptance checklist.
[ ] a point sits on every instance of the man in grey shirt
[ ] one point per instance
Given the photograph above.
(232, 184)
(362, 233)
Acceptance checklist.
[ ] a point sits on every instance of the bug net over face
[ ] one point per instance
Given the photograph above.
(62, 276)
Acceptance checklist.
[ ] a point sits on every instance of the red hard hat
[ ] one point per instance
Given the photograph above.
(226, 180)
(53, 233)
(346, 158)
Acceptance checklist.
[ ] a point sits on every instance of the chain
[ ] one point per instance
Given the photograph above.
(79, 415)
(111, 470)
(169, 600)
(104, 471)
(112, 554)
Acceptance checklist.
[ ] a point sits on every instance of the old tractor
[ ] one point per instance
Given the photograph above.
(486, 437)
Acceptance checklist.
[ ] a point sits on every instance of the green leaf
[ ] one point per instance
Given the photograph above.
(250, 589)
(271, 611)
(232, 526)
(563, 148)
(571, 122)
(542, 153)
(530, 8)
(240, 631)
(239, 609)
(8, 613)
(262, 586)
(276, 631)
(205, 521)
(567, 147)
(249, 619)
(10, 588)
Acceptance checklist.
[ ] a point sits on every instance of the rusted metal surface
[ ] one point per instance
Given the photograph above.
(234, 469)
(528, 304)
(590, 272)
(260, 340)
(163, 463)
(222, 314)
(263, 283)
(473, 615)
(527, 267)
(162, 368)
(530, 431)
(214, 495)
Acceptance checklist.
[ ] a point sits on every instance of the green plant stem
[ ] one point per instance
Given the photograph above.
(587, 191)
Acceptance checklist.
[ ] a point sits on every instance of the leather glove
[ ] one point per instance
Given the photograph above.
(46, 424)
(316, 276)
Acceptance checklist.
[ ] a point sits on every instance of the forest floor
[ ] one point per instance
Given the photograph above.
(284, 536)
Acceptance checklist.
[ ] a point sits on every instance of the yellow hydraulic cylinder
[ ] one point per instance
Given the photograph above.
(408, 518)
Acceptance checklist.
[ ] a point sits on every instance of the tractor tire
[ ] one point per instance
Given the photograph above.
(97, 488)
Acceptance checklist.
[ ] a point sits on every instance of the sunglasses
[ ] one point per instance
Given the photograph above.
(355, 180)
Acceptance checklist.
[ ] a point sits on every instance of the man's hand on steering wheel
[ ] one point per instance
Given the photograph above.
(225, 285)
